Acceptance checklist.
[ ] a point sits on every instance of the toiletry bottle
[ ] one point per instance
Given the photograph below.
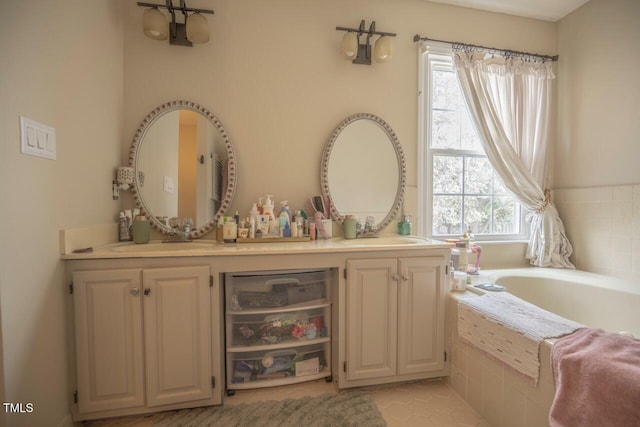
(123, 228)
(268, 207)
(463, 260)
(259, 206)
(252, 227)
(404, 226)
(274, 227)
(129, 215)
(286, 210)
(287, 230)
(254, 213)
(312, 230)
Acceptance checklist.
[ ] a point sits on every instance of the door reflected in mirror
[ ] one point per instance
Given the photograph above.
(185, 166)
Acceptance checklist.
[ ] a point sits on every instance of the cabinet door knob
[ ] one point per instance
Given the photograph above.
(147, 291)
(396, 278)
(134, 291)
(405, 277)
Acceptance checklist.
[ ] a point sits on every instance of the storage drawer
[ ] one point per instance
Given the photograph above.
(257, 291)
(265, 366)
(268, 329)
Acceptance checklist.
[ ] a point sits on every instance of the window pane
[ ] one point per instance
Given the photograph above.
(477, 214)
(445, 129)
(505, 215)
(446, 90)
(469, 139)
(498, 186)
(447, 174)
(447, 215)
(478, 174)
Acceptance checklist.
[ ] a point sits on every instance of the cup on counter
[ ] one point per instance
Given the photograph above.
(459, 281)
(141, 229)
(350, 223)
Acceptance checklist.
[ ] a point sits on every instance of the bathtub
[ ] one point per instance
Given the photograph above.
(500, 394)
(591, 299)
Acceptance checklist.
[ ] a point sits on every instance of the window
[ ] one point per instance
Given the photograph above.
(459, 188)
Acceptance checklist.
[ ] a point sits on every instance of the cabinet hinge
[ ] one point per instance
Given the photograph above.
(75, 396)
(213, 382)
(445, 356)
(345, 273)
(71, 288)
(211, 281)
(446, 270)
(344, 366)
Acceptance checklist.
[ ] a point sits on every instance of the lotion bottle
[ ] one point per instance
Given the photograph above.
(268, 207)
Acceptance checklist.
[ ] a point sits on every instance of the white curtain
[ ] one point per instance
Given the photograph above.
(510, 102)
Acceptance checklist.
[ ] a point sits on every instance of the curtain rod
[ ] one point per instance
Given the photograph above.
(553, 58)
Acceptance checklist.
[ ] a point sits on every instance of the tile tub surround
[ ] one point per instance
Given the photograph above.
(603, 225)
(498, 393)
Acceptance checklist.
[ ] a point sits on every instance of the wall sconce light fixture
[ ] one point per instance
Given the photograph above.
(352, 48)
(123, 181)
(193, 29)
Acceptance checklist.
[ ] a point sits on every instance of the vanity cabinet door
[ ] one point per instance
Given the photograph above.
(108, 324)
(177, 334)
(371, 317)
(421, 315)
(394, 315)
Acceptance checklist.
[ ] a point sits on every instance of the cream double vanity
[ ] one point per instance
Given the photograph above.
(161, 326)
(149, 326)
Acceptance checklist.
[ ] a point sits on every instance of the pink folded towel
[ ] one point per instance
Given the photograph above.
(597, 379)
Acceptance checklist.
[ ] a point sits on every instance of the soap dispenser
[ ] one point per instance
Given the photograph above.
(268, 207)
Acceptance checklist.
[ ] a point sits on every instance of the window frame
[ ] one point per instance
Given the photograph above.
(434, 54)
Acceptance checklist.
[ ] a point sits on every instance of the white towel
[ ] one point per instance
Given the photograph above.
(510, 329)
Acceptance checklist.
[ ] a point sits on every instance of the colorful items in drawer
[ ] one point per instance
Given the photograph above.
(279, 328)
(275, 365)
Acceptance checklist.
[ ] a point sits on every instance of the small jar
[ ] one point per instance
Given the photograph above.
(230, 232)
(459, 281)
(404, 226)
(350, 223)
(141, 229)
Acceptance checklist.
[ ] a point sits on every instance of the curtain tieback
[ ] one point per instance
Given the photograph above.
(547, 201)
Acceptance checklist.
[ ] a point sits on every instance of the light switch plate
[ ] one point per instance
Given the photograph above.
(167, 184)
(37, 139)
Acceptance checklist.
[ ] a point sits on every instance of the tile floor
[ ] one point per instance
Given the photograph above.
(427, 403)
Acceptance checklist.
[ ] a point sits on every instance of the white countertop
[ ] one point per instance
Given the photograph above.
(196, 248)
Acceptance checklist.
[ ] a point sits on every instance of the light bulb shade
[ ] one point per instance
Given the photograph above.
(155, 24)
(383, 49)
(349, 46)
(197, 28)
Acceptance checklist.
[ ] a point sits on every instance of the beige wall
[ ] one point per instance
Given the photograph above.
(596, 175)
(598, 141)
(273, 75)
(61, 65)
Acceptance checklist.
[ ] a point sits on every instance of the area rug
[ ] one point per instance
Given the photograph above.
(353, 409)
